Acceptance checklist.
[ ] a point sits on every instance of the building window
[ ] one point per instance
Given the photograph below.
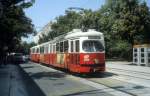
(142, 60)
(148, 54)
(148, 60)
(135, 55)
(135, 49)
(135, 60)
(142, 55)
(142, 49)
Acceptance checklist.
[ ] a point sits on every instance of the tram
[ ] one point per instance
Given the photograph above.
(76, 51)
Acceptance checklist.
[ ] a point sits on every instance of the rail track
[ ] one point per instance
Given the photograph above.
(107, 82)
(131, 73)
(122, 85)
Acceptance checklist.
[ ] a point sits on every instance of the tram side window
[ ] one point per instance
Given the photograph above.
(54, 48)
(46, 49)
(77, 45)
(42, 49)
(50, 48)
(66, 46)
(37, 50)
(33, 50)
(61, 46)
(57, 47)
(72, 47)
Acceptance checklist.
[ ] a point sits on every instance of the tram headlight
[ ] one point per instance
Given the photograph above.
(86, 58)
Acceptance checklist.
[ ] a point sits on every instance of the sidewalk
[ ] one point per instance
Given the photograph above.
(5, 80)
(15, 82)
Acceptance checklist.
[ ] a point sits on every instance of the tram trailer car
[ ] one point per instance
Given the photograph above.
(76, 51)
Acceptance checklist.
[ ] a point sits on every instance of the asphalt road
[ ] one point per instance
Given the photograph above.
(56, 83)
(121, 79)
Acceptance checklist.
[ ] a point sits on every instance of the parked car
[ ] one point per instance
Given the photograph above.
(17, 58)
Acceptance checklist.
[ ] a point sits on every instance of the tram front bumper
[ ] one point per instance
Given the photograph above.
(92, 68)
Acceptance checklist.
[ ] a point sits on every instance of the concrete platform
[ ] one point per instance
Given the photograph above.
(56, 83)
(15, 82)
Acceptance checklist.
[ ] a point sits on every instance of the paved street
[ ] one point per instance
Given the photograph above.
(56, 83)
(33, 79)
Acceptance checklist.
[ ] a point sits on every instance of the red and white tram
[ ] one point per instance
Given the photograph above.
(76, 51)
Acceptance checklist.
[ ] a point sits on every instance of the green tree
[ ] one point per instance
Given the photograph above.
(123, 22)
(24, 47)
(133, 24)
(14, 24)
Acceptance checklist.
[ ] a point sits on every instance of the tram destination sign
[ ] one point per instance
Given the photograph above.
(94, 37)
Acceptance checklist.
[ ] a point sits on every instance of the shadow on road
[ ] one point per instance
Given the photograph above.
(96, 75)
(84, 93)
(32, 88)
(28, 67)
(50, 75)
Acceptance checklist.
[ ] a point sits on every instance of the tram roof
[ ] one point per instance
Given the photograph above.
(73, 34)
(79, 33)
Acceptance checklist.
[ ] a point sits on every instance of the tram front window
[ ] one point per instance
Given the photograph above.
(92, 46)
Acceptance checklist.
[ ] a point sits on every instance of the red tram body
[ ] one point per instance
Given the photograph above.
(76, 51)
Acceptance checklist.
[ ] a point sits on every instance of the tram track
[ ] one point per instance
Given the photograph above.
(102, 86)
(129, 88)
(95, 84)
(135, 74)
(122, 86)
(115, 88)
(106, 83)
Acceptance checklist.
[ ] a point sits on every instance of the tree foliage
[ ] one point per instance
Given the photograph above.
(24, 47)
(123, 22)
(14, 24)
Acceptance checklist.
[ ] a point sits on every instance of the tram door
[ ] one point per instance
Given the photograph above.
(74, 52)
(66, 54)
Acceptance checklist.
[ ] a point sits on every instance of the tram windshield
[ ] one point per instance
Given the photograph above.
(92, 46)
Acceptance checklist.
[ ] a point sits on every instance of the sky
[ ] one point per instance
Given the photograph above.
(44, 11)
